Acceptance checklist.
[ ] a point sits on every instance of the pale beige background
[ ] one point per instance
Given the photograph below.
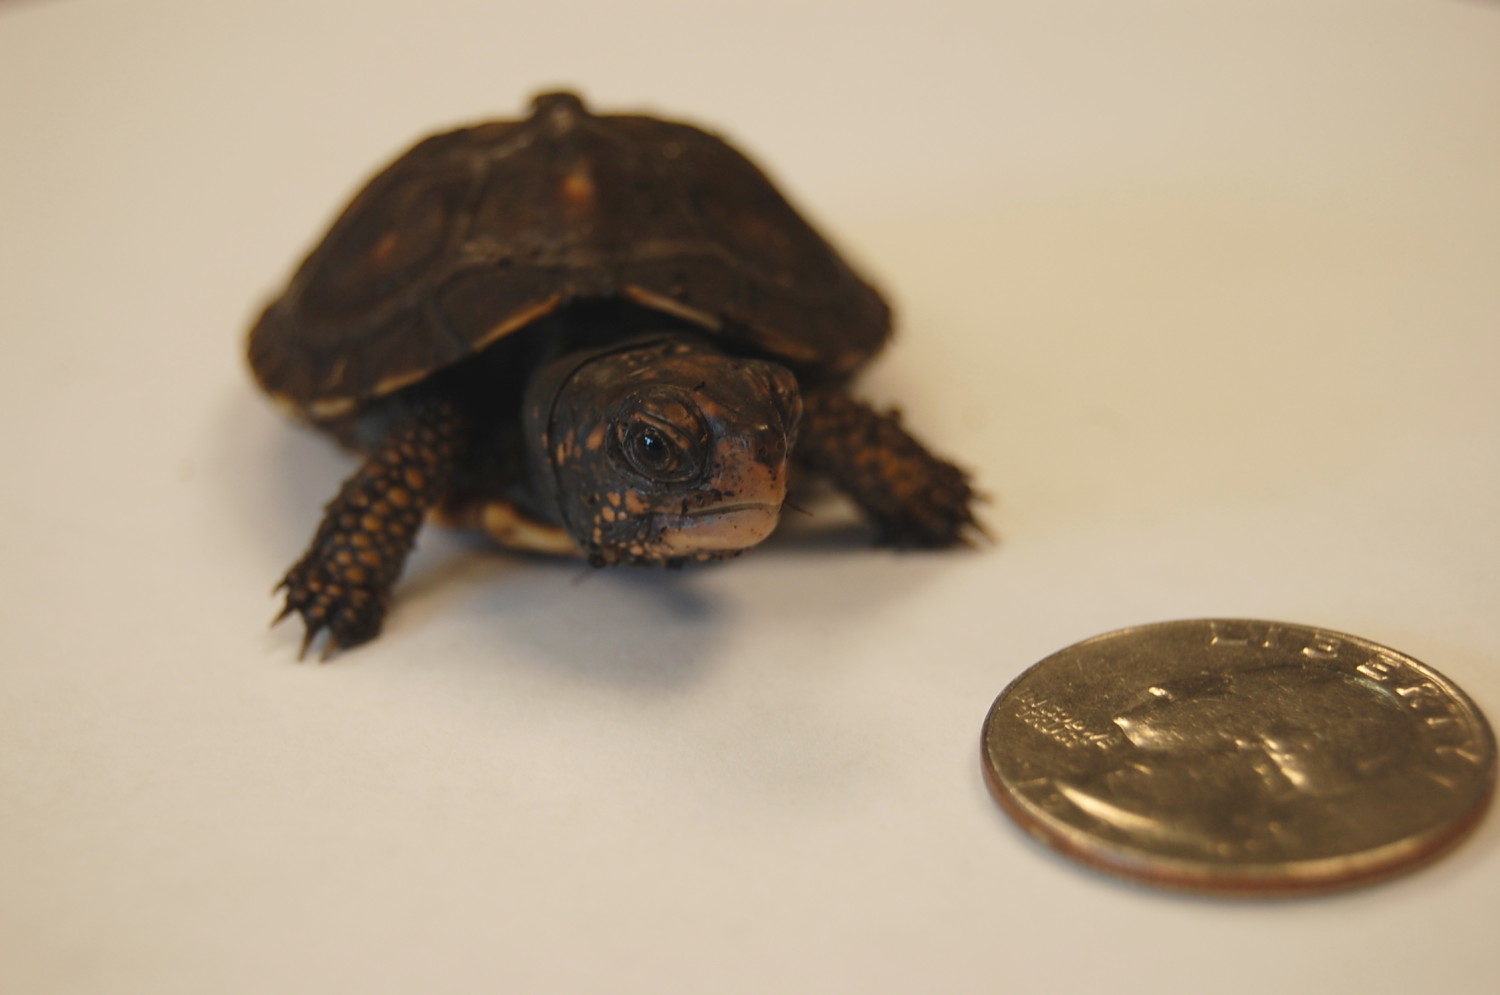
(1208, 294)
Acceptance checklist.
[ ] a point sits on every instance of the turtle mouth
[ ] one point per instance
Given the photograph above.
(718, 528)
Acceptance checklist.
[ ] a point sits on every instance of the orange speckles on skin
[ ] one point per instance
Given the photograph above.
(567, 447)
(595, 439)
(415, 479)
(635, 503)
(613, 498)
(608, 514)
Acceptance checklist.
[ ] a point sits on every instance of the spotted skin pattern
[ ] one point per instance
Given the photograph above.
(915, 499)
(343, 582)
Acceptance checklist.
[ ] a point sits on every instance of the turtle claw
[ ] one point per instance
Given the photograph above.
(347, 614)
(915, 499)
(939, 515)
(312, 627)
(307, 638)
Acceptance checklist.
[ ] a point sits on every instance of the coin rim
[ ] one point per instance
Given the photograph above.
(1284, 879)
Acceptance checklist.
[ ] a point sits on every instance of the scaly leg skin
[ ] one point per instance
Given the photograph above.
(343, 582)
(914, 498)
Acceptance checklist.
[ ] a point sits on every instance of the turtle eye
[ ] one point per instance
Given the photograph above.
(664, 445)
(657, 451)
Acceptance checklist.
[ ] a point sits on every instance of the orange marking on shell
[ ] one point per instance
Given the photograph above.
(788, 346)
(578, 190)
(672, 306)
(384, 247)
(331, 407)
(518, 319)
(389, 385)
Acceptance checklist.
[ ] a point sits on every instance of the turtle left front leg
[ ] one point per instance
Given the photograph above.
(915, 499)
(343, 582)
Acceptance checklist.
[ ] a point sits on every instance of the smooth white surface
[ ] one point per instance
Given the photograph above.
(1208, 295)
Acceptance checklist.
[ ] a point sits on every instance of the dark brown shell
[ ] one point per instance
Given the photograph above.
(475, 233)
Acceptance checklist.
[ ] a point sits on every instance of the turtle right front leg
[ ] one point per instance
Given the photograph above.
(343, 582)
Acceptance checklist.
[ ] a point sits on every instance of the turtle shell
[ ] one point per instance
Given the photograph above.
(476, 233)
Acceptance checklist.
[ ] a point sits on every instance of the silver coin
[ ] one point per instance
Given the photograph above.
(1240, 757)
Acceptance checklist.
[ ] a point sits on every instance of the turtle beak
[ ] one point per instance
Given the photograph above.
(750, 481)
(753, 489)
(718, 530)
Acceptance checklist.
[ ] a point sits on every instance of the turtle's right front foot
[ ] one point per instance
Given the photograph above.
(342, 584)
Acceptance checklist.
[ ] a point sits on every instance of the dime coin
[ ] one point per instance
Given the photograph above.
(1240, 757)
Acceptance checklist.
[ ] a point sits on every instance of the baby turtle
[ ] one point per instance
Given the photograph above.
(595, 335)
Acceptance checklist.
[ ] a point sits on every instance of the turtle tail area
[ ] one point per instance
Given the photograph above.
(343, 582)
(914, 498)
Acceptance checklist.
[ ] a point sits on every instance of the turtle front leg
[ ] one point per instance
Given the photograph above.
(914, 498)
(343, 582)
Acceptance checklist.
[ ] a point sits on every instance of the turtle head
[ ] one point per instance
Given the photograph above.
(664, 451)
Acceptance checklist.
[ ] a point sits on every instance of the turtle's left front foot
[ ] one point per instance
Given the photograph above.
(916, 499)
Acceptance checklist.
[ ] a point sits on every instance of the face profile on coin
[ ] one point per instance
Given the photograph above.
(1239, 757)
